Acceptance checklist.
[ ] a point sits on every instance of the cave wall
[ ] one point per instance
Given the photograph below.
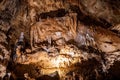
(17, 16)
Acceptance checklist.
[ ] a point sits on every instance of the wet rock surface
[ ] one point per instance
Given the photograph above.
(59, 40)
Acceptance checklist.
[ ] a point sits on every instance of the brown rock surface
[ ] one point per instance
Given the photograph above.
(88, 48)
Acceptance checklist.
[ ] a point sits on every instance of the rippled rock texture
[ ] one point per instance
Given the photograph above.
(59, 39)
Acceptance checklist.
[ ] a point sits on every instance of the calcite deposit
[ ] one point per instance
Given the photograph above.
(59, 39)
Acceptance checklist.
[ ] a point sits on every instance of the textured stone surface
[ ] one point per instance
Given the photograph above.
(96, 47)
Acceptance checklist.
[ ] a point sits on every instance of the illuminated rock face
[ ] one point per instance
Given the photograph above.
(98, 37)
(66, 57)
(48, 42)
(109, 42)
(59, 30)
(60, 43)
(49, 39)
